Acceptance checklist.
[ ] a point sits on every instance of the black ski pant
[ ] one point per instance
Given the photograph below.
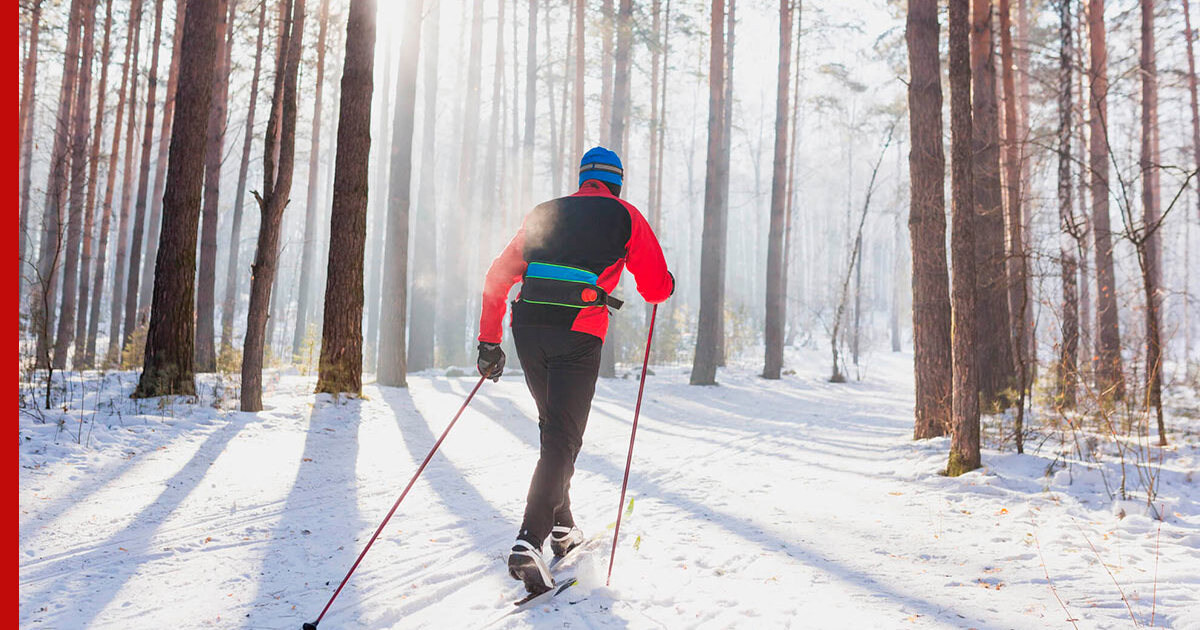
(561, 366)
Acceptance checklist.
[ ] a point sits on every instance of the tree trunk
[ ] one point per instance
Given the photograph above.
(106, 217)
(454, 345)
(619, 112)
(964, 446)
(606, 70)
(1068, 366)
(712, 253)
(341, 335)
(425, 248)
(81, 114)
(727, 149)
(1018, 297)
(160, 161)
(206, 353)
(121, 266)
(229, 304)
(927, 225)
(308, 257)
(578, 94)
(995, 365)
(1023, 77)
(53, 247)
(1190, 36)
(776, 307)
(393, 367)
(139, 218)
(80, 359)
(168, 363)
(1150, 250)
(1110, 377)
(28, 98)
(271, 203)
(378, 212)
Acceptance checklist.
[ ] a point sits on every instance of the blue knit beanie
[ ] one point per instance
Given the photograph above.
(602, 164)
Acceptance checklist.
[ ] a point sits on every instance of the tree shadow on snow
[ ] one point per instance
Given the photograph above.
(744, 528)
(320, 530)
(91, 577)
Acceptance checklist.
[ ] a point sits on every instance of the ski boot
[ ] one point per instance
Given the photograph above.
(525, 564)
(564, 538)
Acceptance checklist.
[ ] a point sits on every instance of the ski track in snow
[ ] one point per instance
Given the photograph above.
(789, 504)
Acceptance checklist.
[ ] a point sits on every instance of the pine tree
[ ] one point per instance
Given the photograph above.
(312, 208)
(139, 209)
(422, 328)
(341, 335)
(776, 313)
(964, 446)
(167, 368)
(229, 303)
(1068, 365)
(712, 257)
(995, 364)
(214, 152)
(277, 186)
(927, 225)
(1110, 378)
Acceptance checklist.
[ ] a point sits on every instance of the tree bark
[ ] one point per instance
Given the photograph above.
(1068, 366)
(28, 98)
(425, 248)
(776, 313)
(606, 70)
(1110, 377)
(579, 124)
(106, 215)
(341, 335)
(712, 255)
(393, 354)
(206, 353)
(80, 358)
(927, 225)
(1190, 36)
(160, 161)
(121, 266)
(727, 149)
(378, 213)
(308, 254)
(454, 338)
(271, 203)
(53, 247)
(995, 364)
(81, 115)
(1150, 246)
(964, 446)
(229, 303)
(139, 217)
(1018, 261)
(167, 368)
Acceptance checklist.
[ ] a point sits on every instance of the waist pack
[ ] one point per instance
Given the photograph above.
(562, 285)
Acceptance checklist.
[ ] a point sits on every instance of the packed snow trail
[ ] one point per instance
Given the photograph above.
(795, 503)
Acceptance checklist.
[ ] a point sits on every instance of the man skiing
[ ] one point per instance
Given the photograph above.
(568, 255)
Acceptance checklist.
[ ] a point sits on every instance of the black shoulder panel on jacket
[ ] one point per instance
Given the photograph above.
(581, 231)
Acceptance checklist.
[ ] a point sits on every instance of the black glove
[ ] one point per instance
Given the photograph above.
(672, 282)
(491, 360)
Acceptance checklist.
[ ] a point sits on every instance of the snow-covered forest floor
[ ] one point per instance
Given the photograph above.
(797, 503)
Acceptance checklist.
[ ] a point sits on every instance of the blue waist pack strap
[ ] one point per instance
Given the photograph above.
(563, 285)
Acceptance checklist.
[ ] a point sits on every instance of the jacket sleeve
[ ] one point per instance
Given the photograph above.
(506, 270)
(644, 259)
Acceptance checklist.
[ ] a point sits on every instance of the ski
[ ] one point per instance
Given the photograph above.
(533, 599)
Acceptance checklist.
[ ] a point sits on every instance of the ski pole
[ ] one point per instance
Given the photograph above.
(633, 433)
(313, 625)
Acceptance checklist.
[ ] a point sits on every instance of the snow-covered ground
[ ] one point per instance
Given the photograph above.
(796, 503)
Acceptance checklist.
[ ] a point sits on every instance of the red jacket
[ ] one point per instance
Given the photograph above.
(591, 229)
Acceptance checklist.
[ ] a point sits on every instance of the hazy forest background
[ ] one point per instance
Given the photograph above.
(320, 185)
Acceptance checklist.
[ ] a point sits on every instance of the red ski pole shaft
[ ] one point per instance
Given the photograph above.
(632, 434)
(396, 505)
